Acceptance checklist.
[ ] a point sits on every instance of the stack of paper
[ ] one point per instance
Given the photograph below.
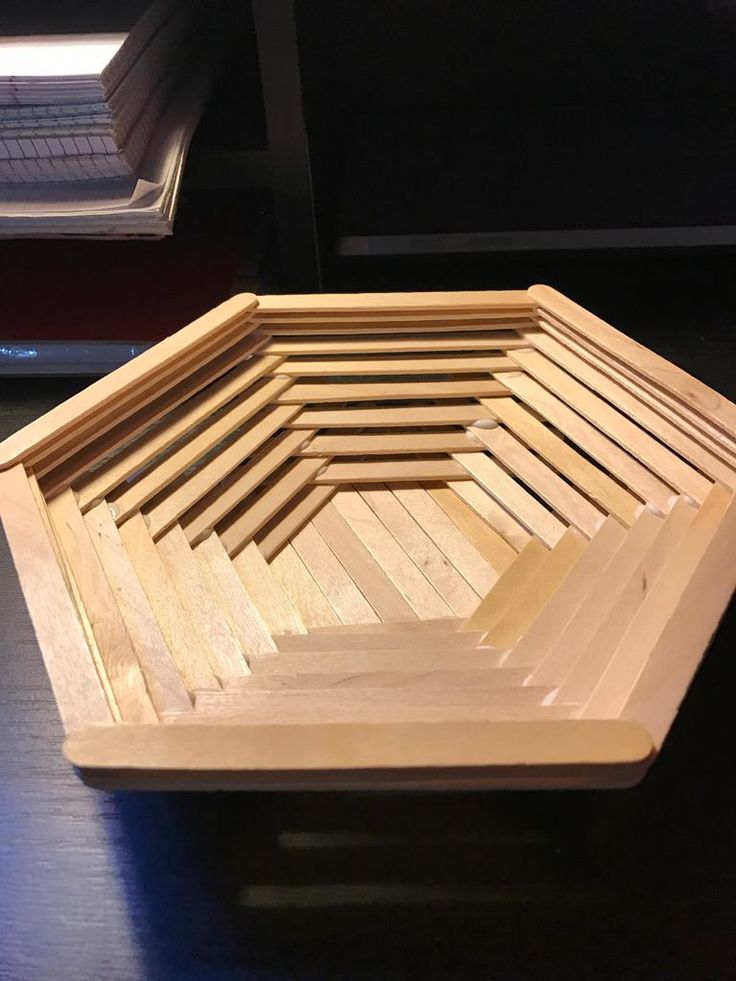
(94, 129)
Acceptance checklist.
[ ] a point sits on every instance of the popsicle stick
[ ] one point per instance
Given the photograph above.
(657, 457)
(530, 600)
(163, 473)
(167, 690)
(193, 585)
(339, 327)
(595, 483)
(304, 393)
(113, 643)
(189, 649)
(379, 471)
(302, 507)
(224, 497)
(654, 422)
(480, 679)
(67, 422)
(683, 627)
(583, 678)
(440, 626)
(356, 661)
(177, 420)
(383, 444)
(468, 561)
(445, 578)
(512, 496)
(628, 471)
(365, 572)
(491, 545)
(464, 364)
(416, 589)
(537, 475)
(500, 340)
(320, 306)
(243, 524)
(574, 641)
(498, 599)
(668, 573)
(277, 610)
(411, 415)
(295, 580)
(374, 705)
(491, 512)
(666, 376)
(568, 597)
(226, 585)
(341, 592)
(77, 686)
(709, 435)
(361, 638)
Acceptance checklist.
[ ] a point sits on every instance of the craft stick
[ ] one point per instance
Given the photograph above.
(572, 644)
(568, 598)
(385, 444)
(417, 544)
(305, 393)
(176, 422)
(118, 656)
(546, 484)
(512, 496)
(497, 552)
(477, 678)
(70, 417)
(498, 599)
(654, 422)
(225, 496)
(713, 438)
(241, 612)
(468, 561)
(162, 474)
(340, 327)
(595, 483)
(240, 527)
(394, 659)
(188, 647)
(440, 625)
(464, 364)
(193, 586)
(379, 471)
(164, 684)
(381, 344)
(78, 689)
(592, 441)
(667, 376)
(277, 610)
(295, 580)
(288, 521)
(666, 582)
(657, 457)
(321, 304)
(416, 589)
(491, 512)
(367, 574)
(584, 676)
(361, 638)
(339, 589)
(530, 600)
(375, 705)
(411, 415)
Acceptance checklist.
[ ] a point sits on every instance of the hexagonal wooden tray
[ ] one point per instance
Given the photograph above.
(432, 539)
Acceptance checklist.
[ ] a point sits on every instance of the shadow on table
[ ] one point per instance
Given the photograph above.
(617, 884)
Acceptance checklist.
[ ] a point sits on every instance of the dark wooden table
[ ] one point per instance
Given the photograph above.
(635, 884)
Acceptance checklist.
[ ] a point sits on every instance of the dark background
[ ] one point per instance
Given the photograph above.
(422, 116)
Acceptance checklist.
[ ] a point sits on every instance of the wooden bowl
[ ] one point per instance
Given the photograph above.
(466, 539)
